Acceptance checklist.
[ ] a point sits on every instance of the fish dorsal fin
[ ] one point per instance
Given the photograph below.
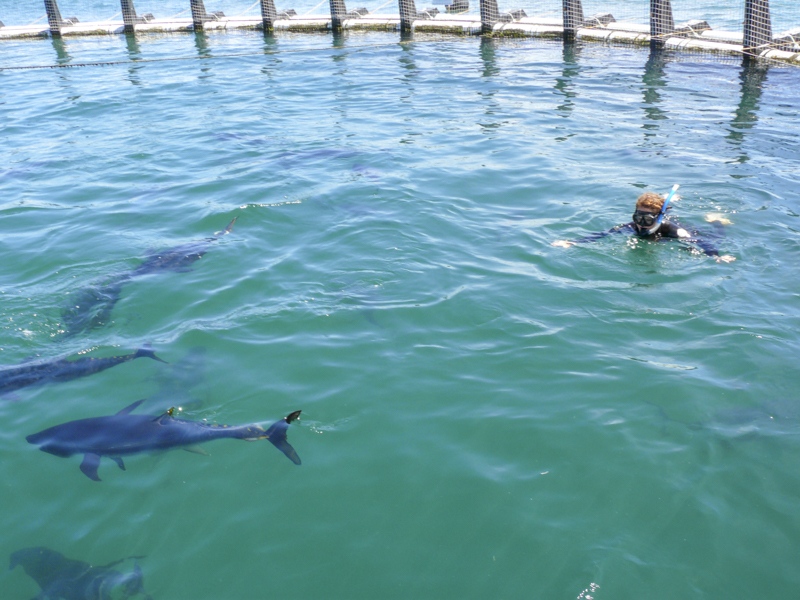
(130, 408)
(166, 415)
(225, 231)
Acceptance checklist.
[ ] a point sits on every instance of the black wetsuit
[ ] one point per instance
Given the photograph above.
(667, 230)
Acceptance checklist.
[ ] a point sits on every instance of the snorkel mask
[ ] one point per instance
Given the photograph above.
(652, 221)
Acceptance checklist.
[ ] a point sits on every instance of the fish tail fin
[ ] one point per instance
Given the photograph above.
(147, 350)
(277, 435)
(133, 583)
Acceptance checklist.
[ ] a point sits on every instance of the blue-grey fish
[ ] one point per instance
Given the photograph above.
(124, 434)
(68, 579)
(179, 258)
(91, 307)
(37, 373)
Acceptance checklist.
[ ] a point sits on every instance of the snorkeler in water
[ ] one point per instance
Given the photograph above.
(649, 223)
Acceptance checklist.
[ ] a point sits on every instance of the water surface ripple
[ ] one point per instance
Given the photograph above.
(484, 415)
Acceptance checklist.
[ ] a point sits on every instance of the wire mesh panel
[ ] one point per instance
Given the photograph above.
(617, 14)
(531, 12)
(720, 16)
(662, 21)
(53, 16)
(23, 13)
(408, 13)
(165, 10)
(757, 25)
(785, 17)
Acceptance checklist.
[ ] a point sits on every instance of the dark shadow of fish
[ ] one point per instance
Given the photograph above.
(68, 579)
(91, 307)
(124, 434)
(301, 159)
(367, 172)
(244, 139)
(744, 423)
(38, 373)
(298, 158)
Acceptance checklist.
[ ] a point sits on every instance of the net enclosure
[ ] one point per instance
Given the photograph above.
(767, 29)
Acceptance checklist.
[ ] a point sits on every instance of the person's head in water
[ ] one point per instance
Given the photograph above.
(649, 213)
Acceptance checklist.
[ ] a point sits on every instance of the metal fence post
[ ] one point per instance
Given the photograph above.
(268, 14)
(757, 25)
(198, 14)
(573, 18)
(338, 13)
(661, 22)
(408, 13)
(128, 15)
(489, 15)
(53, 17)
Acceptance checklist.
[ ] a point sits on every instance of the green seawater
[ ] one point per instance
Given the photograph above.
(484, 415)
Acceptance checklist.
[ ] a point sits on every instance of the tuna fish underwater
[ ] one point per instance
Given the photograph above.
(179, 258)
(91, 307)
(37, 373)
(124, 434)
(62, 578)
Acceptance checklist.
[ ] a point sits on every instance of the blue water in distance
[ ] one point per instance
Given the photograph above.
(484, 414)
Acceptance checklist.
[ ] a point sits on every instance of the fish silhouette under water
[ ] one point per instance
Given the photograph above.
(37, 373)
(91, 307)
(124, 434)
(62, 578)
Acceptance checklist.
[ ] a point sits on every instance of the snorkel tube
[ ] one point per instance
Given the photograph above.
(663, 210)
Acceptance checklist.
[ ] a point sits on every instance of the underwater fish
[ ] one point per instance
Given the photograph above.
(361, 163)
(91, 307)
(772, 419)
(37, 373)
(299, 158)
(68, 579)
(124, 434)
(179, 258)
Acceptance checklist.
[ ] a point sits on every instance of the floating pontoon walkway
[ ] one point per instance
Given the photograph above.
(756, 39)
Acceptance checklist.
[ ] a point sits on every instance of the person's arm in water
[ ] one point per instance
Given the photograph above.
(593, 237)
(675, 231)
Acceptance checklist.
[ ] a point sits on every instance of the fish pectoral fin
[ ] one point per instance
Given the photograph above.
(196, 449)
(119, 462)
(89, 466)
